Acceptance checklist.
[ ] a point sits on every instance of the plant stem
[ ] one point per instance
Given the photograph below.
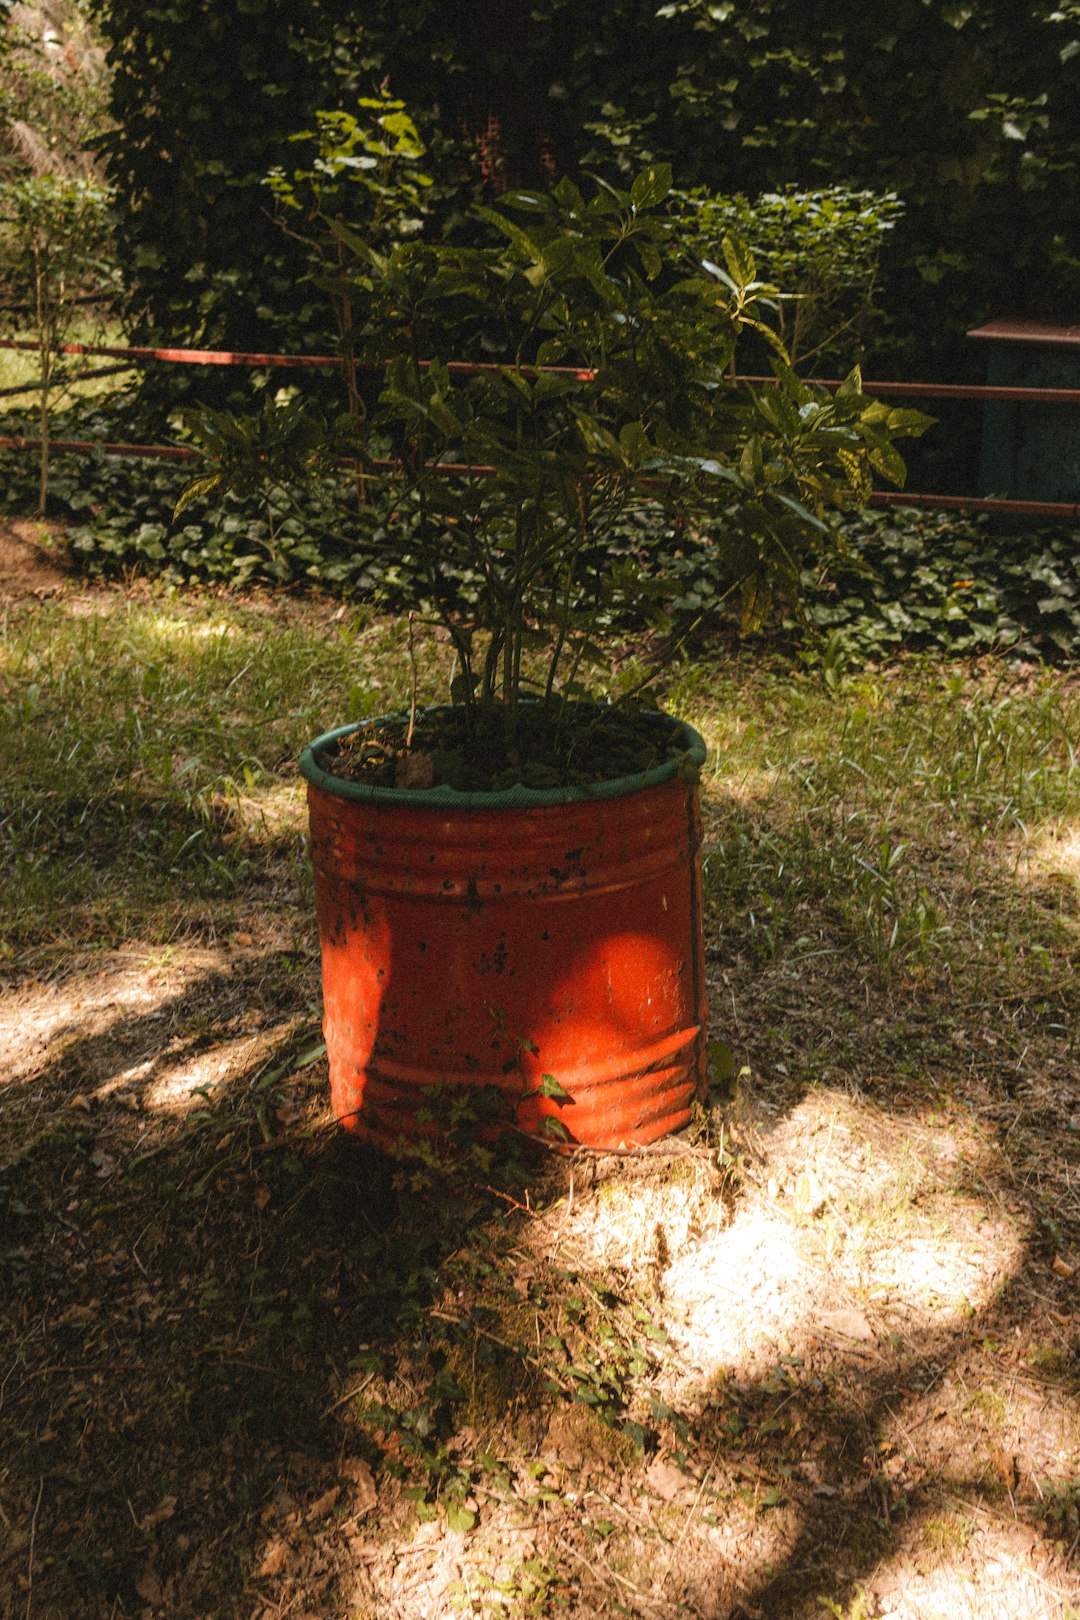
(412, 694)
(45, 342)
(352, 391)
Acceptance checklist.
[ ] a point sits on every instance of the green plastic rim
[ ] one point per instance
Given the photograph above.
(518, 797)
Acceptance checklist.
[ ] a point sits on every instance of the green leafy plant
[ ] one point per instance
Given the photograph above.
(822, 247)
(54, 253)
(1059, 1508)
(365, 169)
(610, 394)
(939, 582)
(857, 1609)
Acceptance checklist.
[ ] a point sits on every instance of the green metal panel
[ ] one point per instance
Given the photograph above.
(1031, 452)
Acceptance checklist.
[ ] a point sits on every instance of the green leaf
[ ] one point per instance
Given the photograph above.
(889, 462)
(800, 510)
(651, 186)
(459, 1518)
(720, 274)
(756, 601)
(704, 464)
(751, 467)
(351, 239)
(634, 443)
(550, 1087)
(721, 1063)
(568, 196)
(310, 1055)
(852, 383)
(529, 202)
(957, 15)
(649, 254)
(203, 485)
(525, 244)
(739, 260)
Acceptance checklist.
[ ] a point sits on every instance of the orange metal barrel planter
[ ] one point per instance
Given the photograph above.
(473, 944)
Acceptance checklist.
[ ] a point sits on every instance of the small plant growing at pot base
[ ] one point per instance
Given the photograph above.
(509, 886)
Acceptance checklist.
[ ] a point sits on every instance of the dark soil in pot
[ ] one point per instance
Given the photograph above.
(488, 749)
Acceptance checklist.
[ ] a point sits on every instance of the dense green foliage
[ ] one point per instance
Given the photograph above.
(206, 100)
(822, 247)
(969, 113)
(952, 583)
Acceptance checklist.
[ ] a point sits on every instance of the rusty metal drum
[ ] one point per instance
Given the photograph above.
(532, 959)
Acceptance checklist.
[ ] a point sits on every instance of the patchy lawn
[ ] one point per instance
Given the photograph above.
(819, 1357)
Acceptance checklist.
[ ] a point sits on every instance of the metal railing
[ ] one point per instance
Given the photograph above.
(987, 393)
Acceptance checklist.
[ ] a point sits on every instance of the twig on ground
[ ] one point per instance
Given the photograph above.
(613, 1574)
(350, 1395)
(30, 1555)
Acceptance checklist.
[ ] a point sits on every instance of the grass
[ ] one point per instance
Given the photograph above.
(18, 367)
(824, 1359)
(157, 743)
(887, 819)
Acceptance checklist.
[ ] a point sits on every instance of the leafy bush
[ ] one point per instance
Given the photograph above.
(954, 583)
(612, 376)
(822, 247)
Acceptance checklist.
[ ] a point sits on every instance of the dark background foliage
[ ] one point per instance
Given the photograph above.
(969, 111)
(204, 100)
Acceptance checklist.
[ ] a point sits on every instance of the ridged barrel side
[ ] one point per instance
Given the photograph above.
(480, 951)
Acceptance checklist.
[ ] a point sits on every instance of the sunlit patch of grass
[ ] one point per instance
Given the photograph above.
(872, 818)
(150, 751)
(19, 368)
(1055, 854)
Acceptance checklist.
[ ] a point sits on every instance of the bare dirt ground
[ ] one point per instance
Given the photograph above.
(33, 561)
(820, 1356)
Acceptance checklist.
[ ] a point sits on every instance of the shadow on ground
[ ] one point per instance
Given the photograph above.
(830, 1344)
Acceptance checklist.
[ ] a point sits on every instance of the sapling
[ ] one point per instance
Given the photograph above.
(598, 384)
(54, 242)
